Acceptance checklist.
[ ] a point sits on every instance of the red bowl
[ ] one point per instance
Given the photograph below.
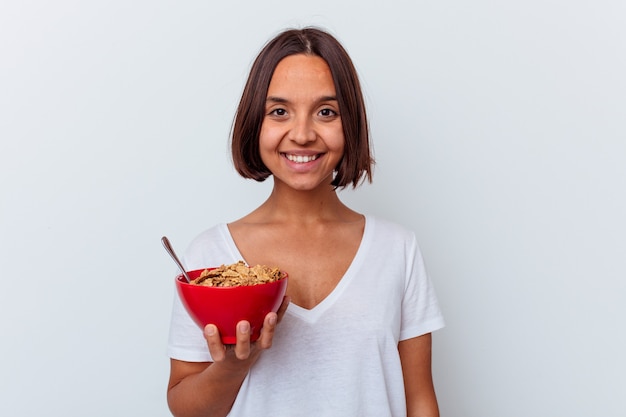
(226, 306)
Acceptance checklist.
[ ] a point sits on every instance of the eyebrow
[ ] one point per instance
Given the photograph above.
(274, 99)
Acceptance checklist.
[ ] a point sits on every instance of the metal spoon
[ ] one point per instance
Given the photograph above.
(168, 248)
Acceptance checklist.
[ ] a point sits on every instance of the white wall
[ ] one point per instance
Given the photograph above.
(500, 137)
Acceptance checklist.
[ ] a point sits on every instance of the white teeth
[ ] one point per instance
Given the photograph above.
(300, 159)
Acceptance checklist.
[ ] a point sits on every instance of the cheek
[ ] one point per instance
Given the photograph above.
(337, 141)
(268, 144)
(268, 136)
(264, 140)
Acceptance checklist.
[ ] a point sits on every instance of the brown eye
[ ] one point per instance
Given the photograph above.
(327, 112)
(278, 112)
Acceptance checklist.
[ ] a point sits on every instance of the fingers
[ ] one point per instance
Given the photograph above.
(216, 348)
(219, 351)
(267, 332)
(269, 325)
(242, 348)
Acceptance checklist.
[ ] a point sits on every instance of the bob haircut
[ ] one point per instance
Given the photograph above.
(357, 161)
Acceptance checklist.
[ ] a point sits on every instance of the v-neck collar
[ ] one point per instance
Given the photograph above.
(313, 314)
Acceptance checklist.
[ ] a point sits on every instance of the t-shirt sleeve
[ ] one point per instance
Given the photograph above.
(421, 313)
(186, 341)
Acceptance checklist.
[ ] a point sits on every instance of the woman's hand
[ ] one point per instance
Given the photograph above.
(244, 349)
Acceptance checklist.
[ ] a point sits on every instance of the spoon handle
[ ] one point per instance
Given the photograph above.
(170, 250)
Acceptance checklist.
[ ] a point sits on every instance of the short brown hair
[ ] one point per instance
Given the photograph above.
(357, 161)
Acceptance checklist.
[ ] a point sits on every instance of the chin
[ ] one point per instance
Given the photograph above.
(305, 186)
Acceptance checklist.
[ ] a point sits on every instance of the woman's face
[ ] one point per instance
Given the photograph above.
(301, 140)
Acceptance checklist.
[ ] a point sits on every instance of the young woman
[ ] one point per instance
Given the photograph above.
(353, 335)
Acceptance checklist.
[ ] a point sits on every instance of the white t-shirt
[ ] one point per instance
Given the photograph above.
(341, 357)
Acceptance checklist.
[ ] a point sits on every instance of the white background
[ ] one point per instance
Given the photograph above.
(500, 136)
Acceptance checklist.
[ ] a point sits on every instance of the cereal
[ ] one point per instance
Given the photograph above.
(237, 275)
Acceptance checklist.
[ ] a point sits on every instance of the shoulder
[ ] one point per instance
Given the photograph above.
(387, 229)
(207, 237)
(208, 247)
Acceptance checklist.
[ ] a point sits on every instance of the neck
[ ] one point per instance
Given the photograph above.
(288, 205)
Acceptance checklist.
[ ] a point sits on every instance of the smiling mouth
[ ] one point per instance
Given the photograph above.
(301, 159)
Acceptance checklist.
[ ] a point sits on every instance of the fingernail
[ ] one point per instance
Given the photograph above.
(210, 330)
(244, 327)
(272, 320)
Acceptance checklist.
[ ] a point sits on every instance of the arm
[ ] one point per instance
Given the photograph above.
(202, 388)
(415, 356)
(210, 388)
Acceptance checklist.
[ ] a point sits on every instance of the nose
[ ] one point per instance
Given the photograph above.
(302, 131)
